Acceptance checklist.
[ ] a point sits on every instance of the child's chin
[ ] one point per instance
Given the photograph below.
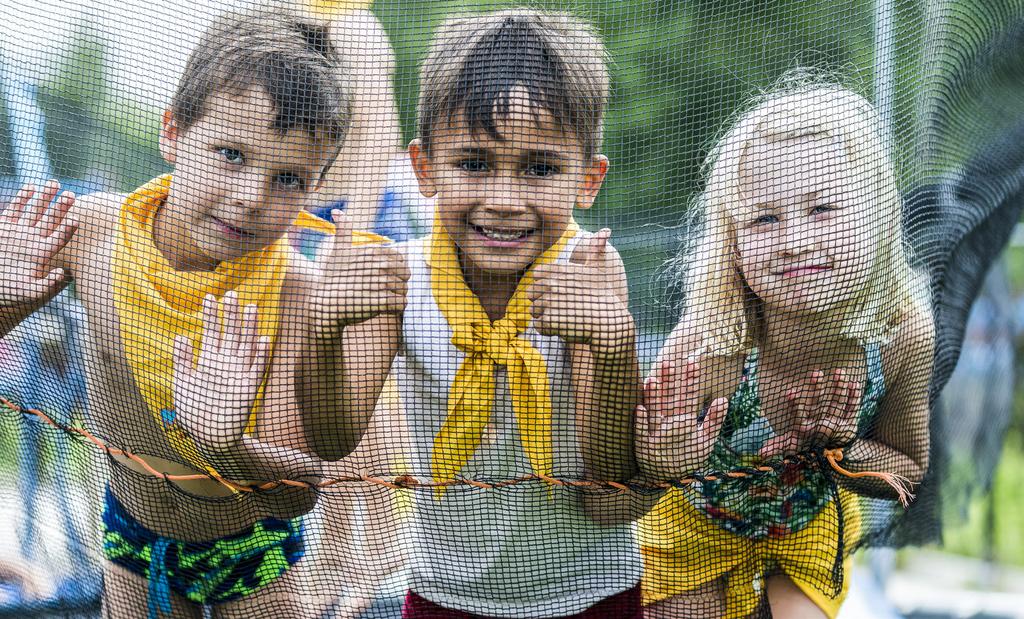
(498, 267)
(226, 251)
(817, 307)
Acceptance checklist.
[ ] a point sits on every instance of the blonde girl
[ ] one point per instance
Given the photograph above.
(805, 333)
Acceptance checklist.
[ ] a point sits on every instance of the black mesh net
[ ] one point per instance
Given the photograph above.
(477, 309)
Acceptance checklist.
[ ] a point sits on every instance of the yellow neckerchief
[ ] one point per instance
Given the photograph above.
(486, 345)
(155, 303)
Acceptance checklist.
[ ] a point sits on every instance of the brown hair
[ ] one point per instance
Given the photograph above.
(290, 57)
(476, 61)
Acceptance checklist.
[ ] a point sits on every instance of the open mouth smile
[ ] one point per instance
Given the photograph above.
(501, 236)
(232, 232)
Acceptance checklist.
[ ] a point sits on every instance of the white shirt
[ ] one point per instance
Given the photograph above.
(527, 550)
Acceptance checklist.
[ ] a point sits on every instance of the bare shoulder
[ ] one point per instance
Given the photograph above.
(96, 215)
(98, 210)
(911, 342)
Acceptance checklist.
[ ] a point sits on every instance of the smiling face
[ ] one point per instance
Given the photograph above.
(238, 182)
(505, 200)
(804, 232)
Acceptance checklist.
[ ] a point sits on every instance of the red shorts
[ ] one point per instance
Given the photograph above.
(625, 605)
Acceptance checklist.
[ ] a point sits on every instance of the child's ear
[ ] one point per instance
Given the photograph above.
(169, 137)
(593, 176)
(422, 167)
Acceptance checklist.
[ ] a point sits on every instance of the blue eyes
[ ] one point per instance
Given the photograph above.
(286, 180)
(231, 155)
(768, 219)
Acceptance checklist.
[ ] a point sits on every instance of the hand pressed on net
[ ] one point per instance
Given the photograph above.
(34, 232)
(357, 282)
(578, 301)
(822, 415)
(675, 432)
(214, 393)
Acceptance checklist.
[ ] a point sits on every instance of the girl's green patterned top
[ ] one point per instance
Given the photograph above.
(769, 505)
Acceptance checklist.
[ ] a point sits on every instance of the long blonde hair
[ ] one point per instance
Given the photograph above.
(720, 306)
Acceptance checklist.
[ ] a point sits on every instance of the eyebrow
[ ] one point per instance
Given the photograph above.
(533, 155)
(470, 151)
(761, 207)
(543, 155)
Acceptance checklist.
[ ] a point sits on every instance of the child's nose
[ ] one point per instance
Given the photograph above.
(506, 205)
(249, 191)
(506, 196)
(799, 239)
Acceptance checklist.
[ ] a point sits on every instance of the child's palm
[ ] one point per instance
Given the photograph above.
(34, 233)
(674, 434)
(823, 415)
(214, 395)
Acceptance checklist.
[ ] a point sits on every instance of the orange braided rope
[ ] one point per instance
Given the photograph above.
(408, 482)
(899, 483)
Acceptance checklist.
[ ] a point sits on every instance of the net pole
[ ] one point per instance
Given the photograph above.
(885, 52)
(26, 125)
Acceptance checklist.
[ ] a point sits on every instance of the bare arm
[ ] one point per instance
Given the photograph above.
(341, 379)
(606, 390)
(359, 173)
(606, 385)
(353, 333)
(898, 442)
(585, 302)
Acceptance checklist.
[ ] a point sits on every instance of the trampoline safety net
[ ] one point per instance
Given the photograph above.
(412, 308)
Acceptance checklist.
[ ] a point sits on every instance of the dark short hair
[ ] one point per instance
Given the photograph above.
(290, 57)
(475, 62)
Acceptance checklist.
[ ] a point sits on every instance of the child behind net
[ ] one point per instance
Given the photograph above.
(805, 330)
(356, 532)
(293, 376)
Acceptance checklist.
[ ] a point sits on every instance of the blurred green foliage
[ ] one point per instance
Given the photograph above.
(681, 71)
(93, 131)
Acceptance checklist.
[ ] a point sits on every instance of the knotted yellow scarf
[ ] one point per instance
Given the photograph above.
(155, 303)
(684, 550)
(486, 345)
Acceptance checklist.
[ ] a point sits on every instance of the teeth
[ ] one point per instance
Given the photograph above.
(502, 236)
